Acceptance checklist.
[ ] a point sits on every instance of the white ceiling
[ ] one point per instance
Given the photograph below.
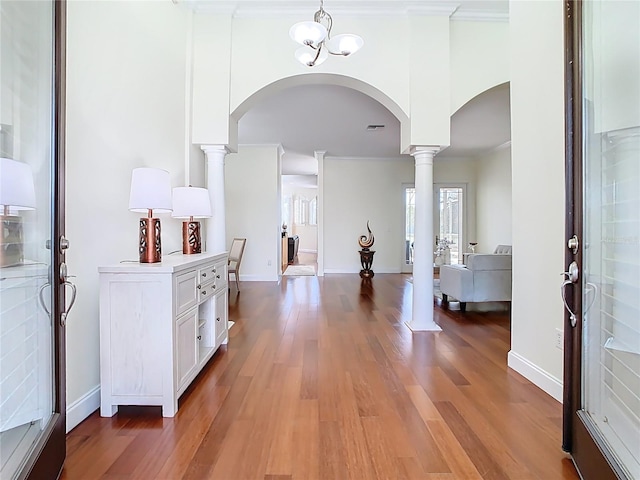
(334, 119)
(457, 9)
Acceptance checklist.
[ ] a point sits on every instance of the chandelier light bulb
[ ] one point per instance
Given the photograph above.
(344, 44)
(307, 56)
(308, 33)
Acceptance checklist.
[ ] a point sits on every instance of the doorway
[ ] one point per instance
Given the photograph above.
(300, 217)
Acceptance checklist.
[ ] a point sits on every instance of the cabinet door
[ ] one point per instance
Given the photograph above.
(186, 347)
(221, 317)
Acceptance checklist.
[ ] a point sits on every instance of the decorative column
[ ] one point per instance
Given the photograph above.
(216, 240)
(422, 319)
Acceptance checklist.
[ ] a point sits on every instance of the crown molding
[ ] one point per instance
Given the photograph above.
(359, 8)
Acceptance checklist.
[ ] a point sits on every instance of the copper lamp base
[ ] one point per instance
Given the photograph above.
(150, 247)
(191, 242)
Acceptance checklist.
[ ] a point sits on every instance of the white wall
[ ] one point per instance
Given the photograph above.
(125, 109)
(459, 171)
(415, 80)
(537, 135)
(493, 200)
(252, 188)
(479, 52)
(357, 190)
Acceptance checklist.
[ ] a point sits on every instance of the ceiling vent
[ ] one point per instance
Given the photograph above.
(372, 128)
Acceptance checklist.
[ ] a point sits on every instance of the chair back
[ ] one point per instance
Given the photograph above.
(236, 251)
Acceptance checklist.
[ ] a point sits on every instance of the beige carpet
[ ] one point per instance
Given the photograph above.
(300, 270)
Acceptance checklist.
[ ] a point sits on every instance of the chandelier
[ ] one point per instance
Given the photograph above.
(317, 40)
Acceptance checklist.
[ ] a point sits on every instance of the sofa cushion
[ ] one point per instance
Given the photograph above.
(503, 249)
(488, 261)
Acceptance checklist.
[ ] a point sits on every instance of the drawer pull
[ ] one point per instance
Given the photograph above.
(199, 287)
(204, 292)
(217, 319)
(204, 274)
(213, 270)
(199, 337)
(217, 276)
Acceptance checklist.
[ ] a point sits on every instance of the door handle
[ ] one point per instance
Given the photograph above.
(572, 274)
(65, 313)
(572, 316)
(43, 304)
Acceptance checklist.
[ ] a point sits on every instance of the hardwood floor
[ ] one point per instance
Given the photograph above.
(322, 380)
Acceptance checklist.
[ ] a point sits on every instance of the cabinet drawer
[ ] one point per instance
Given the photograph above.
(213, 272)
(186, 292)
(208, 290)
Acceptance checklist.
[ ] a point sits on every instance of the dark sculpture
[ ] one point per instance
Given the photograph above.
(366, 254)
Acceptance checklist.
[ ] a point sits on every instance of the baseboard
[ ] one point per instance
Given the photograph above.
(307, 250)
(346, 270)
(83, 407)
(535, 375)
(339, 270)
(256, 278)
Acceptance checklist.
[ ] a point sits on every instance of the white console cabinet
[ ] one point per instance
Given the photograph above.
(159, 325)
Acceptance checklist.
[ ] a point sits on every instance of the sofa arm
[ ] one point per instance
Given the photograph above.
(457, 282)
(488, 261)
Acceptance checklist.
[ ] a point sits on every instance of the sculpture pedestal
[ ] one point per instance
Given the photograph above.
(366, 259)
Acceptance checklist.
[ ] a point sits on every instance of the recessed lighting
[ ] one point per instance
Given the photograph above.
(374, 127)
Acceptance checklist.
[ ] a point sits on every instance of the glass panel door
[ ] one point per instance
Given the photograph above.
(409, 197)
(611, 280)
(449, 227)
(602, 383)
(31, 404)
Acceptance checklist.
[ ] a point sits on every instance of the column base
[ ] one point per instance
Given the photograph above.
(428, 327)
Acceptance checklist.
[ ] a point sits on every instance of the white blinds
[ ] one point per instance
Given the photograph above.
(613, 287)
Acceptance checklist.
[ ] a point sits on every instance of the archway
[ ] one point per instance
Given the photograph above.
(280, 113)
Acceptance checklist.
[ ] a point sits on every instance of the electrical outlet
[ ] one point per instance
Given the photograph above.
(268, 263)
(559, 338)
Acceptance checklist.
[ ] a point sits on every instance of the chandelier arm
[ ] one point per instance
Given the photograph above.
(317, 55)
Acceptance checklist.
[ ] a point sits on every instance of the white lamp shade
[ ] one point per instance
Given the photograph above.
(308, 33)
(305, 55)
(191, 202)
(345, 44)
(16, 185)
(150, 190)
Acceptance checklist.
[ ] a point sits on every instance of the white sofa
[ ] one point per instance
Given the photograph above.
(486, 277)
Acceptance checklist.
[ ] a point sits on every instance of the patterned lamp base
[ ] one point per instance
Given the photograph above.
(191, 242)
(150, 247)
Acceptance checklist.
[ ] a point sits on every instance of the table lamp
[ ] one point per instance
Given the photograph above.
(17, 192)
(150, 191)
(191, 202)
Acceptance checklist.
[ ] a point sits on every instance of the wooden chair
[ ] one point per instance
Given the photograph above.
(235, 257)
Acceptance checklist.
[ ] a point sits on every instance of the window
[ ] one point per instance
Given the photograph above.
(300, 210)
(313, 211)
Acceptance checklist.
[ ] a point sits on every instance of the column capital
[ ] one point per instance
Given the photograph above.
(215, 149)
(419, 150)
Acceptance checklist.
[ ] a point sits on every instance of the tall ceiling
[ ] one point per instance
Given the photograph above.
(337, 119)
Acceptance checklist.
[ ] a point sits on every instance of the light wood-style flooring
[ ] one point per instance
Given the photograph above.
(321, 379)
